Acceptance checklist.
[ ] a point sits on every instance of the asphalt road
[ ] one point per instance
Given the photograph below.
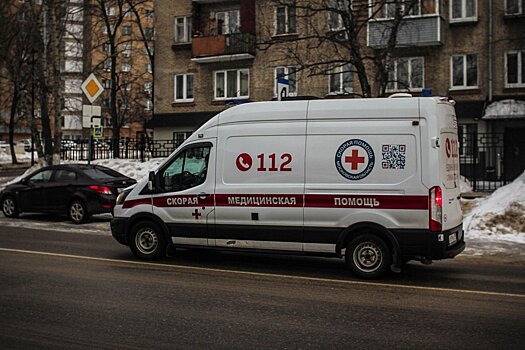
(78, 288)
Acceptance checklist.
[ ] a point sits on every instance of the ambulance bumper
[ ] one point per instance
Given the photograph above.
(118, 230)
(416, 244)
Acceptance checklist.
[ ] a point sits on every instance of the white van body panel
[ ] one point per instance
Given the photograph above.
(306, 175)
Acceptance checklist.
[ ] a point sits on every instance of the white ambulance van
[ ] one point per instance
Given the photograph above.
(374, 180)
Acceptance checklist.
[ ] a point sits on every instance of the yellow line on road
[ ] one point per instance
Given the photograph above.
(271, 275)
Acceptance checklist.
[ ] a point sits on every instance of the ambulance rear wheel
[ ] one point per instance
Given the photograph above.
(368, 256)
(147, 241)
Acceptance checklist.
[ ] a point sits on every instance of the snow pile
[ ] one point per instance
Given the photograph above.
(129, 167)
(5, 157)
(464, 185)
(500, 216)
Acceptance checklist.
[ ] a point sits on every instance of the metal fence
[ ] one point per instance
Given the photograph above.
(481, 155)
(482, 160)
(127, 149)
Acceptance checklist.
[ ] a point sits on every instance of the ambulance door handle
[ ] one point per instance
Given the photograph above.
(203, 195)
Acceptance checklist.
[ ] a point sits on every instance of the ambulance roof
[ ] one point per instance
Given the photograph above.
(365, 108)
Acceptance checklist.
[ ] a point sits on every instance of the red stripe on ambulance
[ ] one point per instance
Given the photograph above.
(289, 201)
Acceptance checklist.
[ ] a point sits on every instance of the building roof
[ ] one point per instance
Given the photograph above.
(188, 119)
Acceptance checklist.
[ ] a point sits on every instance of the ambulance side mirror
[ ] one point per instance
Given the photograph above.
(152, 185)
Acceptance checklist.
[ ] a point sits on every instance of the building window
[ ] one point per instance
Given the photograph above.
(148, 105)
(183, 29)
(287, 73)
(107, 64)
(340, 80)
(406, 8)
(126, 67)
(184, 88)
(148, 87)
(106, 47)
(148, 33)
(515, 68)
(335, 8)
(126, 49)
(515, 7)
(406, 74)
(231, 84)
(227, 22)
(110, 11)
(106, 83)
(463, 10)
(464, 71)
(148, 68)
(285, 20)
(126, 85)
(126, 30)
(149, 14)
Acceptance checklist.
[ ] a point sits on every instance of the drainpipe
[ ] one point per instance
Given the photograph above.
(490, 43)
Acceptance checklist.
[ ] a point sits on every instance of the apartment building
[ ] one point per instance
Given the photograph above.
(73, 70)
(210, 55)
(133, 71)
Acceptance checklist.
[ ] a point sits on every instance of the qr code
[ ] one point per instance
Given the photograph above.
(394, 156)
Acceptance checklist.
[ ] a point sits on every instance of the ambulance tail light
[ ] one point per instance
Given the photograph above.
(435, 207)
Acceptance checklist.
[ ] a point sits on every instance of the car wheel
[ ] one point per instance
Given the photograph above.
(148, 241)
(9, 207)
(77, 212)
(368, 256)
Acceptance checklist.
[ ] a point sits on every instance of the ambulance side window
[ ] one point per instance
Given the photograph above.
(187, 170)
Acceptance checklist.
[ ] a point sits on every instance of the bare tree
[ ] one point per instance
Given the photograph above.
(15, 59)
(333, 34)
(118, 31)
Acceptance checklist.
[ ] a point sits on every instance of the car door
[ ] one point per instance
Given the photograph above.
(59, 190)
(186, 199)
(30, 198)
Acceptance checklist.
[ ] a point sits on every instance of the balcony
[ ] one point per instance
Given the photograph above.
(223, 48)
(413, 32)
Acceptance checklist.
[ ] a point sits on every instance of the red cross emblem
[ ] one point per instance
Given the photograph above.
(196, 214)
(354, 159)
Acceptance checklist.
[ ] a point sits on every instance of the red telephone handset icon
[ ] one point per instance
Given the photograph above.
(244, 162)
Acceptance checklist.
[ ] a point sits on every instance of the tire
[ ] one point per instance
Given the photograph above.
(368, 256)
(9, 207)
(147, 241)
(77, 212)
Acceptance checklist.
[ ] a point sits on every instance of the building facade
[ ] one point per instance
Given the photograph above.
(213, 54)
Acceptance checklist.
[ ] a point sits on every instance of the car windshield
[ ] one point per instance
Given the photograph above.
(100, 173)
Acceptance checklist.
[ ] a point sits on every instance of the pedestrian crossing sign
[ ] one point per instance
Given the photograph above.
(98, 132)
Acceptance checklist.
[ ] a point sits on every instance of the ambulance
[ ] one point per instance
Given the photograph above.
(373, 180)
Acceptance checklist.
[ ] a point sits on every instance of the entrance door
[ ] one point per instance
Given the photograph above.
(514, 152)
(186, 204)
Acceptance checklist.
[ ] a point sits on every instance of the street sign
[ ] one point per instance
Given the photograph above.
(88, 116)
(92, 88)
(98, 132)
(283, 88)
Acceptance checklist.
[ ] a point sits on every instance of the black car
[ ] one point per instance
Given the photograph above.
(77, 190)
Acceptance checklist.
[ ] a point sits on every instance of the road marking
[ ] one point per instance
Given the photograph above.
(263, 274)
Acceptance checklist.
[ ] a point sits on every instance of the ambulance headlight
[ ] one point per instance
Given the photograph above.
(122, 197)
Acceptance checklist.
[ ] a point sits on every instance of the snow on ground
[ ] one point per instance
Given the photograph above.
(500, 216)
(493, 225)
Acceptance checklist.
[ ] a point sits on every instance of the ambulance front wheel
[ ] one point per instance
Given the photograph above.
(147, 241)
(368, 256)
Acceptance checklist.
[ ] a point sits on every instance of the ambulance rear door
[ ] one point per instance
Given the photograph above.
(449, 165)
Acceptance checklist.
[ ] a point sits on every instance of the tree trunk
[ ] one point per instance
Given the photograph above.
(12, 116)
